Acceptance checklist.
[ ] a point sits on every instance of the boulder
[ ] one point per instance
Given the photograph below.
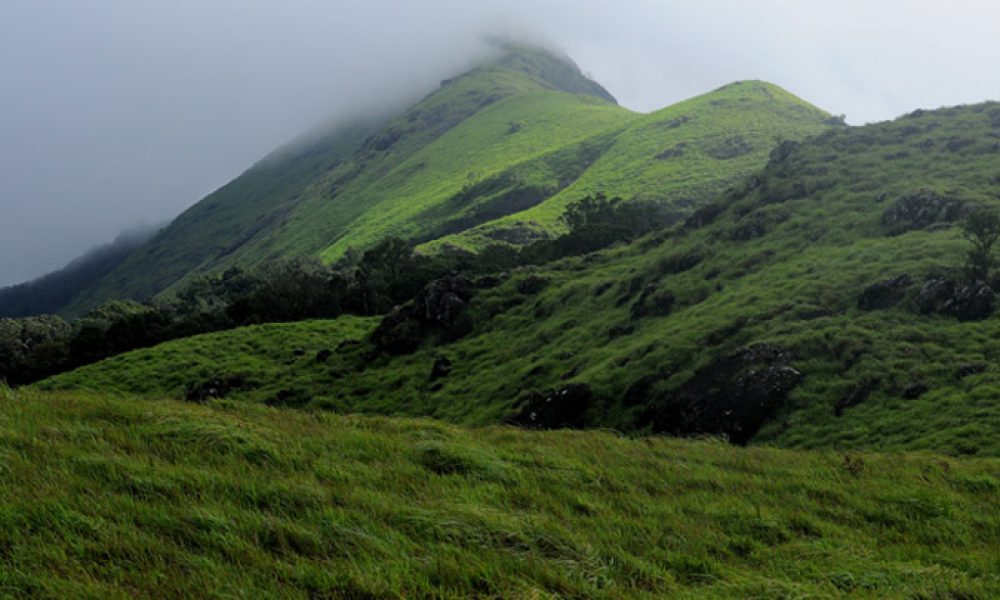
(854, 396)
(440, 368)
(213, 387)
(653, 303)
(557, 409)
(966, 302)
(783, 151)
(440, 307)
(920, 210)
(531, 285)
(884, 294)
(915, 390)
(970, 369)
(703, 216)
(732, 396)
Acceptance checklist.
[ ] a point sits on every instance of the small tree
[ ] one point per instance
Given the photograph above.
(982, 229)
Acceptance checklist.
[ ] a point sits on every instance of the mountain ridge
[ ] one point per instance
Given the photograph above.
(491, 157)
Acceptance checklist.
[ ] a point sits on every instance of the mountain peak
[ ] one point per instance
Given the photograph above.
(548, 67)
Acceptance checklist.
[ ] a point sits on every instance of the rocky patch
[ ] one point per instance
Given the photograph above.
(885, 294)
(732, 396)
(966, 302)
(921, 210)
(440, 308)
(557, 409)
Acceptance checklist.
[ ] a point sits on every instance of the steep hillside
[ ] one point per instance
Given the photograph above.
(52, 292)
(680, 156)
(255, 202)
(493, 156)
(802, 264)
(117, 498)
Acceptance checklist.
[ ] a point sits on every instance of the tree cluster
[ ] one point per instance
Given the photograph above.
(371, 283)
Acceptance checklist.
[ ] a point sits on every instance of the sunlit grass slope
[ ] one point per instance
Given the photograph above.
(123, 498)
(680, 156)
(492, 156)
(786, 263)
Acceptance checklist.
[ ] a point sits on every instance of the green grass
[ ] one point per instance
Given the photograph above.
(492, 156)
(270, 358)
(797, 285)
(109, 497)
(717, 139)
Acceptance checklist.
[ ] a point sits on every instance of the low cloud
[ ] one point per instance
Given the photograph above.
(119, 112)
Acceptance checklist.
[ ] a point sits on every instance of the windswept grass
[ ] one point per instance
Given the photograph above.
(120, 498)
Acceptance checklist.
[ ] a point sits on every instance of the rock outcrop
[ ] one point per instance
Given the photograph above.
(732, 396)
(966, 302)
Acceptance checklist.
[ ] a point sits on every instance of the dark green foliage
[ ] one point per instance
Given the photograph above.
(597, 222)
(982, 229)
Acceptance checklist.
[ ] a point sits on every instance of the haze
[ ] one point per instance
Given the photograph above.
(115, 113)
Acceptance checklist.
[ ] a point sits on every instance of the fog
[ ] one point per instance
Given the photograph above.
(115, 113)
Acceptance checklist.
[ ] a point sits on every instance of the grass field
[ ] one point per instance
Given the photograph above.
(817, 240)
(117, 497)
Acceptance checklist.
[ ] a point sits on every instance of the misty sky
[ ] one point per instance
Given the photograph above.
(115, 113)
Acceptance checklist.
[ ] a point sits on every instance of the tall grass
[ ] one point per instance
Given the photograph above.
(124, 498)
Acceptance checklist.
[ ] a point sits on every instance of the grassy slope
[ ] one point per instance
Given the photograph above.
(717, 139)
(526, 131)
(271, 357)
(116, 498)
(797, 285)
(256, 201)
(303, 198)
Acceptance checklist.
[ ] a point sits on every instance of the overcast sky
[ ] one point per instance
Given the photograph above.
(115, 113)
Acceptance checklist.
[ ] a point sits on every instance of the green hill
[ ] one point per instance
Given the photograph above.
(117, 498)
(785, 260)
(493, 156)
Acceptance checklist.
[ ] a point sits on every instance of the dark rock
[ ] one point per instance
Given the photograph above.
(440, 307)
(703, 216)
(732, 396)
(621, 331)
(562, 408)
(653, 303)
(915, 390)
(532, 284)
(602, 288)
(675, 123)
(212, 388)
(289, 398)
(680, 263)
(783, 151)
(971, 302)
(675, 152)
(324, 355)
(399, 332)
(921, 210)
(730, 148)
(756, 224)
(488, 282)
(441, 368)
(970, 369)
(957, 143)
(854, 396)
(885, 294)
(443, 300)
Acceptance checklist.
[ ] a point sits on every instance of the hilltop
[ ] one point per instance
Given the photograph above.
(492, 157)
